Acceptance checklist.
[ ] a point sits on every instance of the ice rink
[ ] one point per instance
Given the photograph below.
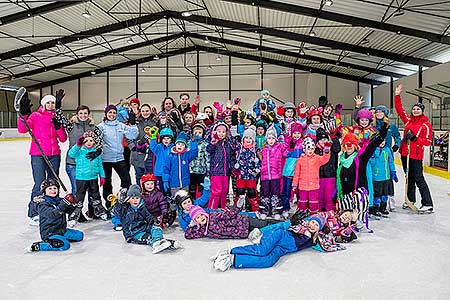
(408, 257)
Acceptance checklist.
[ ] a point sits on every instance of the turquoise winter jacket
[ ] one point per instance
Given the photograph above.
(85, 168)
(382, 163)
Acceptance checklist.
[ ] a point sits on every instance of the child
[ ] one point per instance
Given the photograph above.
(221, 224)
(221, 149)
(155, 200)
(52, 219)
(200, 165)
(383, 172)
(306, 175)
(264, 104)
(138, 223)
(161, 151)
(288, 117)
(341, 224)
(123, 111)
(87, 174)
(247, 169)
(275, 243)
(363, 129)
(261, 127)
(327, 172)
(184, 202)
(295, 151)
(176, 174)
(315, 122)
(272, 154)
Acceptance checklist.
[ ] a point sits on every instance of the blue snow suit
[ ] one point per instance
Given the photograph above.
(176, 167)
(382, 162)
(392, 133)
(161, 153)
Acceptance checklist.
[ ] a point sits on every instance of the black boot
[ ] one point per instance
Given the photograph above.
(383, 210)
(374, 212)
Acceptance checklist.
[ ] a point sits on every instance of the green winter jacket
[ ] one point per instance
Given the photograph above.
(85, 168)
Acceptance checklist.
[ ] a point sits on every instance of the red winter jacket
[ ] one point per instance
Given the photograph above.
(419, 126)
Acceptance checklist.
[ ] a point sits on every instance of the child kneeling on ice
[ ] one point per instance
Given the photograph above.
(222, 224)
(52, 211)
(138, 223)
(277, 242)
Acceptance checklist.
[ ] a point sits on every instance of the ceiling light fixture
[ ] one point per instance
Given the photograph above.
(93, 73)
(206, 40)
(302, 52)
(27, 67)
(329, 2)
(260, 68)
(209, 67)
(312, 33)
(399, 12)
(218, 58)
(143, 70)
(186, 13)
(86, 14)
(365, 41)
(130, 40)
(156, 57)
(99, 60)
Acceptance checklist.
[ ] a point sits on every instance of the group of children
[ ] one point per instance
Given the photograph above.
(337, 175)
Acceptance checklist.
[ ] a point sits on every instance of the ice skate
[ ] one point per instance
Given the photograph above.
(33, 247)
(240, 202)
(277, 217)
(255, 236)
(34, 221)
(104, 217)
(285, 214)
(220, 253)
(383, 210)
(160, 245)
(174, 245)
(425, 209)
(118, 228)
(391, 203)
(72, 223)
(223, 262)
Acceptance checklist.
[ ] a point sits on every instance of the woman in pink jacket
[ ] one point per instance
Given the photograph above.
(49, 133)
(271, 170)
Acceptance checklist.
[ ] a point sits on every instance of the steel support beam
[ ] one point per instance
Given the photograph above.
(346, 19)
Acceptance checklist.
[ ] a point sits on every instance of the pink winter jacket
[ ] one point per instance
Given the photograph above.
(271, 160)
(40, 123)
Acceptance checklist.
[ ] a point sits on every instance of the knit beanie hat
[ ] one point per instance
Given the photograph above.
(166, 132)
(323, 101)
(250, 132)
(134, 191)
(350, 138)
(181, 138)
(219, 125)
(199, 124)
(271, 131)
(383, 108)
(195, 211)
(319, 219)
(420, 105)
(296, 127)
(308, 143)
(364, 114)
(265, 92)
(321, 134)
(48, 183)
(110, 107)
(47, 98)
(89, 133)
(135, 100)
(261, 123)
(180, 196)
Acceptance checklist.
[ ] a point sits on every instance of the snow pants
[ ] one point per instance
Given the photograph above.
(61, 242)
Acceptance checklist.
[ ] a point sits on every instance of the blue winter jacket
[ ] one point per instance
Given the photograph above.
(161, 153)
(291, 158)
(183, 217)
(392, 133)
(86, 169)
(176, 167)
(113, 133)
(382, 163)
(134, 219)
(52, 216)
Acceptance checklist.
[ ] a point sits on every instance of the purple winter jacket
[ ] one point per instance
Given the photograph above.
(155, 203)
(272, 160)
(221, 225)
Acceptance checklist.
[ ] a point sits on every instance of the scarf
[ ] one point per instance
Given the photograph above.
(346, 163)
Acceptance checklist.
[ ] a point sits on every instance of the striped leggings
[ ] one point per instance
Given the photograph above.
(358, 200)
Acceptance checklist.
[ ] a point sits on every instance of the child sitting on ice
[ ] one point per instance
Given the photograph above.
(221, 224)
(383, 172)
(87, 173)
(155, 201)
(277, 242)
(306, 175)
(52, 219)
(138, 223)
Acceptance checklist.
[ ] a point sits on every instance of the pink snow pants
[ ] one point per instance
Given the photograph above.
(326, 193)
(219, 192)
(309, 197)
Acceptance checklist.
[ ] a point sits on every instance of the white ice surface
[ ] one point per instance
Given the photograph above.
(408, 257)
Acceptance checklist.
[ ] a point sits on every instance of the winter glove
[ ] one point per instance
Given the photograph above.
(132, 118)
(141, 148)
(283, 126)
(102, 181)
(395, 148)
(56, 124)
(25, 105)
(291, 144)
(166, 186)
(394, 176)
(122, 196)
(80, 141)
(383, 130)
(59, 97)
(302, 109)
(327, 147)
(280, 110)
(410, 136)
(70, 199)
(298, 216)
(339, 108)
(218, 107)
(214, 138)
(94, 154)
(153, 132)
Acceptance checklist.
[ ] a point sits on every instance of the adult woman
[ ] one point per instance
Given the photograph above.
(49, 133)
(139, 147)
(416, 136)
(113, 132)
(169, 107)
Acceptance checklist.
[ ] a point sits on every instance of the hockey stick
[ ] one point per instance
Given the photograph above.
(20, 92)
(407, 201)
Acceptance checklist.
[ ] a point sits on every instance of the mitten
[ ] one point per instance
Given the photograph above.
(132, 118)
(25, 105)
(395, 148)
(280, 110)
(410, 136)
(166, 186)
(339, 108)
(153, 132)
(94, 154)
(327, 147)
(218, 106)
(292, 144)
(70, 199)
(122, 196)
(102, 181)
(80, 141)
(59, 97)
(56, 124)
(394, 176)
